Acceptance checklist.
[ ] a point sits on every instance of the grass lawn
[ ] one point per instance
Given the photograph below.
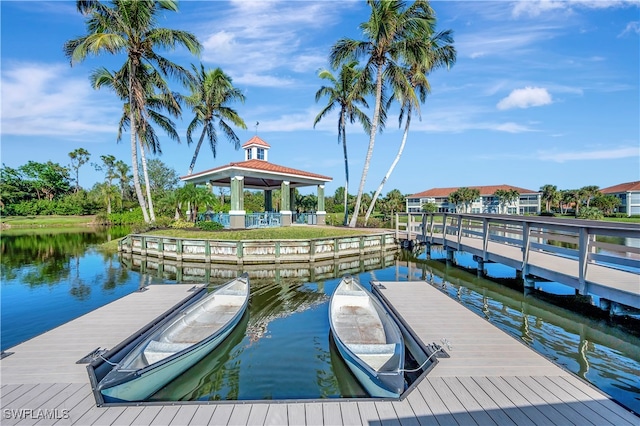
(284, 233)
(46, 221)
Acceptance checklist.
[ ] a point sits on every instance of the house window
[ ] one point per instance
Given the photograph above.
(249, 153)
(260, 154)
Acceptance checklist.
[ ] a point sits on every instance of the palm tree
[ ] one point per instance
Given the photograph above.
(78, 158)
(549, 194)
(211, 93)
(196, 196)
(158, 98)
(130, 27)
(347, 91)
(441, 53)
(393, 32)
(590, 192)
(506, 197)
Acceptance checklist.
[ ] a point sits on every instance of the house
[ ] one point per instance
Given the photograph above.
(528, 203)
(629, 195)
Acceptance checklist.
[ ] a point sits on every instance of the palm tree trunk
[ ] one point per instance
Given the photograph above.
(393, 165)
(372, 140)
(346, 169)
(143, 160)
(134, 147)
(195, 154)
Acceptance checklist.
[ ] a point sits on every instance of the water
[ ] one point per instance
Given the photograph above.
(282, 348)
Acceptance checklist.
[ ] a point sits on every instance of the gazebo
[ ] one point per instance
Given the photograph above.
(256, 172)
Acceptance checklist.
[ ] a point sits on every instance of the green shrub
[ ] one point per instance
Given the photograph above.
(180, 224)
(548, 214)
(590, 213)
(209, 225)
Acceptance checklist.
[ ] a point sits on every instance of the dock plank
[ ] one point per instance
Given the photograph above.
(296, 414)
(203, 415)
(240, 415)
(276, 415)
(350, 413)
(387, 414)
(222, 414)
(313, 414)
(331, 413)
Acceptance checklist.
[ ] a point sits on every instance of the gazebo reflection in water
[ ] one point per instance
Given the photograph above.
(256, 172)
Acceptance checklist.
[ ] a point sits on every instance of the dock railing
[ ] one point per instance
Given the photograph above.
(614, 245)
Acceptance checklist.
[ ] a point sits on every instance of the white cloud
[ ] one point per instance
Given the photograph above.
(538, 7)
(259, 38)
(604, 154)
(45, 99)
(525, 98)
(631, 28)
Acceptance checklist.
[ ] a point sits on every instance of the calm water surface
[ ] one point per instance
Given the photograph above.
(282, 347)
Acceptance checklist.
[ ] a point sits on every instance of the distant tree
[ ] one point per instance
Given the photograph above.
(464, 196)
(108, 166)
(162, 178)
(212, 92)
(506, 197)
(123, 170)
(590, 192)
(607, 203)
(78, 157)
(48, 180)
(549, 195)
(196, 197)
(429, 207)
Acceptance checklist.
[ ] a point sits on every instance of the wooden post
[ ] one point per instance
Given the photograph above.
(583, 250)
(397, 228)
(525, 248)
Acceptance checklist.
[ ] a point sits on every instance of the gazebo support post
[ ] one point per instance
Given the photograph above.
(321, 213)
(237, 212)
(268, 206)
(285, 203)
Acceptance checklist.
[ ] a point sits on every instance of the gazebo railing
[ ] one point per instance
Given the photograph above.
(221, 218)
(262, 220)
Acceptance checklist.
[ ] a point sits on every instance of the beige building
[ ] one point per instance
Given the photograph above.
(487, 202)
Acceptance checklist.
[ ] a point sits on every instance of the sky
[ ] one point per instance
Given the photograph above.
(542, 92)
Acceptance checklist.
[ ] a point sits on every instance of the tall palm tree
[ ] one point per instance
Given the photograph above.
(131, 27)
(211, 93)
(590, 192)
(347, 91)
(412, 85)
(158, 99)
(394, 31)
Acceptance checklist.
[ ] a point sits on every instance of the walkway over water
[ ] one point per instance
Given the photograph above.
(577, 253)
(491, 378)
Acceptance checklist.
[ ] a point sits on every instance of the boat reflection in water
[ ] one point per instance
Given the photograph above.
(279, 351)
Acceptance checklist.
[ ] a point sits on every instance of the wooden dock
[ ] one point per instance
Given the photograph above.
(491, 378)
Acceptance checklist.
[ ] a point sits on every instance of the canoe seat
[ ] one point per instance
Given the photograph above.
(232, 292)
(156, 351)
(375, 356)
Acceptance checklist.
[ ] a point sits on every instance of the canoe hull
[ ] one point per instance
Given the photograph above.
(147, 383)
(145, 370)
(375, 358)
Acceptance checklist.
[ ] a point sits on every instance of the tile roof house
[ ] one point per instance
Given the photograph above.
(629, 195)
(528, 202)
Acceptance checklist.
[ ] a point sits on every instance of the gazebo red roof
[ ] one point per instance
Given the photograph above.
(255, 140)
(264, 166)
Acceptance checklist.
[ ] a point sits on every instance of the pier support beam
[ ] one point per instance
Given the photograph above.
(450, 257)
(480, 269)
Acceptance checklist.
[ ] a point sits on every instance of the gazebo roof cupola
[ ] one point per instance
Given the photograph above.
(256, 149)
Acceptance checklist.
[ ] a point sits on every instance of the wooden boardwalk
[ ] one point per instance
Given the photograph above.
(490, 379)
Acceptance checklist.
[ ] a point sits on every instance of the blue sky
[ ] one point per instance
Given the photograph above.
(542, 92)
